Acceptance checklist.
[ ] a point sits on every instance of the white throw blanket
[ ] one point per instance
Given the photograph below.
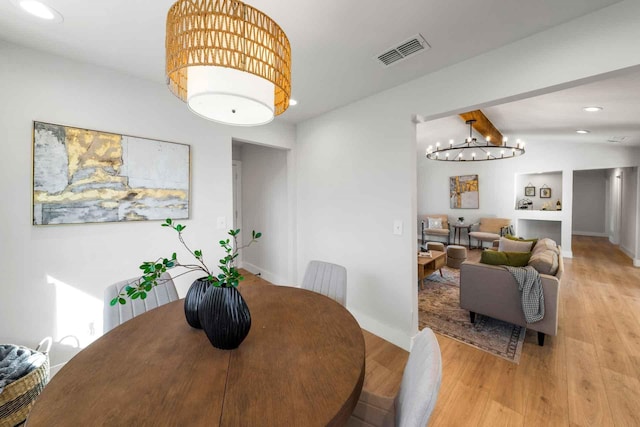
(530, 287)
(16, 362)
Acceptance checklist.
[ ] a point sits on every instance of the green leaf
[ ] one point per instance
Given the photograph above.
(122, 301)
(198, 253)
(143, 295)
(114, 301)
(258, 235)
(135, 295)
(169, 221)
(174, 256)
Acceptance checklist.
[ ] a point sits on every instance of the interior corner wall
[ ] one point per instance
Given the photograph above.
(265, 209)
(589, 202)
(53, 277)
(356, 165)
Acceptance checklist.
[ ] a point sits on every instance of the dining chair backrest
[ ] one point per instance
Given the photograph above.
(327, 279)
(420, 382)
(165, 292)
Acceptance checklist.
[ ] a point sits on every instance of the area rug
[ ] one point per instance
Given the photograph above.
(439, 309)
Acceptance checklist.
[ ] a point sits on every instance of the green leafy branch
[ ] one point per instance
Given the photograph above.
(153, 270)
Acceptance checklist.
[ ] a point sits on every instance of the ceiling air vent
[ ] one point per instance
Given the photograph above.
(617, 139)
(403, 50)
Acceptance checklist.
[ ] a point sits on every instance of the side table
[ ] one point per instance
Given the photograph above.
(457, 232)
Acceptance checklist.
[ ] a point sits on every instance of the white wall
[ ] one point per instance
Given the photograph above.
(628, 219)
(356, 166)
(589, 202)
(265, 209)
(54, 276)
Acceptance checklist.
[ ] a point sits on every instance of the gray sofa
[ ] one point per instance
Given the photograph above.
(492, 291)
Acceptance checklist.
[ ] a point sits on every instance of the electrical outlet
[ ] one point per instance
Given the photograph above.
(221, 223)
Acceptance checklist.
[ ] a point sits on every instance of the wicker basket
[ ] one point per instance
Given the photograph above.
(18, 397)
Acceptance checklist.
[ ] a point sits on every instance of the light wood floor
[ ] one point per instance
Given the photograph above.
(587, 375)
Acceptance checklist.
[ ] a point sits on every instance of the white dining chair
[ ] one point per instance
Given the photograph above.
(327, 279)
(418, 392)
(165, 292)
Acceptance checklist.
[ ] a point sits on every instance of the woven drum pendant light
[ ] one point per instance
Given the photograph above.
(229, 62)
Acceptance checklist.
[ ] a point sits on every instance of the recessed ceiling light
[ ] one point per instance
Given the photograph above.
(39, 10)
(592, 109)
(293, 102)
(583, 131)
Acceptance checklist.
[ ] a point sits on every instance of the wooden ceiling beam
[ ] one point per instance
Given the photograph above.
(483, 126)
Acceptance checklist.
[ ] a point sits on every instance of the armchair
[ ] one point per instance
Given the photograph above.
(434, 225)
(489, 229)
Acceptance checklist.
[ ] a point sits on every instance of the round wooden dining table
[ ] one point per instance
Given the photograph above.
(302, 364)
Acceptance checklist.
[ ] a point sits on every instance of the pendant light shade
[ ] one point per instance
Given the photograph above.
(230, 62)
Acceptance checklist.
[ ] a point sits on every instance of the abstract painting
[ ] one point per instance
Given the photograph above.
(87, 176)
(463, 192)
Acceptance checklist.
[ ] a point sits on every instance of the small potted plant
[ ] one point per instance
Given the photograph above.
(460, 220)
(202, 305)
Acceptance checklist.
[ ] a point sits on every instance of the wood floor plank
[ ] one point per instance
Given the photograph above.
(623, 397)
(588, 404)
(497, 415)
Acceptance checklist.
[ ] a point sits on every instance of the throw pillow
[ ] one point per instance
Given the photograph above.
(507, 245)
(435, 222)
(513, 259)
(545, 262)
(520, 239)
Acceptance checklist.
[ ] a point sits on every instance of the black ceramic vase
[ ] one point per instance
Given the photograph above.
(192, 301)
(225, 317)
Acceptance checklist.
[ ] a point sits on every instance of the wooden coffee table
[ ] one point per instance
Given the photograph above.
(428, 265)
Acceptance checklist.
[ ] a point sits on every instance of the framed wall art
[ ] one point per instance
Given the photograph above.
(89, 176)
(463, 192)
(529, 191)
(545, 192)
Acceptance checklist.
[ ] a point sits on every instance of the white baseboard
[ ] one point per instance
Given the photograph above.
(567, 254)
(627, 252)
(265, 274)
(636, 262)
(589, 233)
(372, 325)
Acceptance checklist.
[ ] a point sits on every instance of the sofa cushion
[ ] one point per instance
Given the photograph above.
(520, 239)
(436, 231)
(434, 222)
(485, 237)
(513, 259)
(545, 244)
(508, 245)
(545, 261)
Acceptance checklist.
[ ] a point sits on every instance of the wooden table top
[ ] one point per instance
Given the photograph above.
(301, 364)
(423, 260)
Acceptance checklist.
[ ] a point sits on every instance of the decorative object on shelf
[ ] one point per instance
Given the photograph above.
(524, 203)
(87, 176)
(530, 191)
(558, 205)
(472, 150)
(228, 61)
(195, 307)
(460, 220)
(547, 206)
(545, 192)
(464, 192)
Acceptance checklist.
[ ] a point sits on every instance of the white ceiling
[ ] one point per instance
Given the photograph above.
(556, 116)
(333, 42)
